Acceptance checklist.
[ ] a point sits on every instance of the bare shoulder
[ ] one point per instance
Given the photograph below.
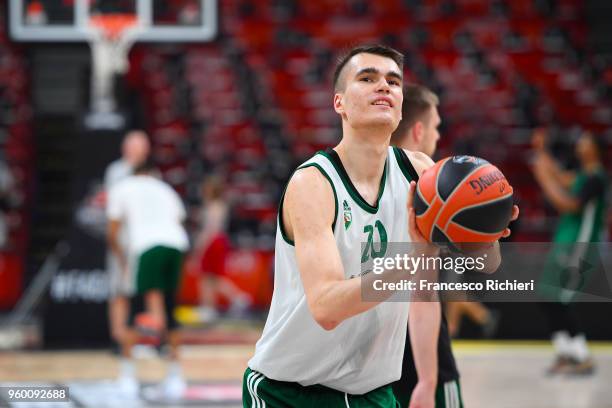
(308, 180)
(420, 161)
(310, 194)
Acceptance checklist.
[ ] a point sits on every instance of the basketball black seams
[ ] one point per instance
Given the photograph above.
(490, 217)
(453, 172)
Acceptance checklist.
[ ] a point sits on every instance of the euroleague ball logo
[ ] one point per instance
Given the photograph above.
(463, 199)
(466, 159)
(483, 182)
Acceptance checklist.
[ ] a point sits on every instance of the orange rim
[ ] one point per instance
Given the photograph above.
(113, 24)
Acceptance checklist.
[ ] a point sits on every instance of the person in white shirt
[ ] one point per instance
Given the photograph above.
(152, 214)
(134, 150)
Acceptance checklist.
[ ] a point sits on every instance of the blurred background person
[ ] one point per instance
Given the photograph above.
(152, 214)
(580, 198)
(135, 149)
(212, 247)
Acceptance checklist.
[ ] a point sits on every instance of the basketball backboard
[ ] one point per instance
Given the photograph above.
(69, 20)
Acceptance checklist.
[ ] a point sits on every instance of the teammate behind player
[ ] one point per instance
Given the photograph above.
(152, 213)
(428, 372)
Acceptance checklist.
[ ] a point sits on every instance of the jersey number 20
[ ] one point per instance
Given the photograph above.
(369, 250)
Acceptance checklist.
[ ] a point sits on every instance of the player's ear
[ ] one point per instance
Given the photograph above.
(417, 131)
(339, 103)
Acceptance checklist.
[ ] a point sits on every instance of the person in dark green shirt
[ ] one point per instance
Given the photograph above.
(580, 199)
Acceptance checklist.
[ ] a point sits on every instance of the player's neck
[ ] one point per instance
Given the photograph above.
(364, 160)
(413, 147)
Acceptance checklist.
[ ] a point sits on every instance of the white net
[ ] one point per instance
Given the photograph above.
(110, 49)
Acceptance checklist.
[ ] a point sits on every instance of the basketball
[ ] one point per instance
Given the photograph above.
(463, 199)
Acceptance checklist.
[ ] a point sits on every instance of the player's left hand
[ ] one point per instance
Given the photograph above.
(413, 231)
(423, 396)
(515, 214)
(472, 247)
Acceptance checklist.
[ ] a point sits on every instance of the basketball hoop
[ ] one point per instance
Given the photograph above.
(110, 36)
(113, 25)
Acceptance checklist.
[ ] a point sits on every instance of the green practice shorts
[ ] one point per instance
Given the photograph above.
(159, 268)
(257, 389)
(448, 395)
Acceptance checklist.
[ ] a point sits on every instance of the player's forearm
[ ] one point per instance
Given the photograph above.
(492, 257)
(555, 192)
(334, 301)
(549, 164)
(490, 252)
(337, 301)
(424, 324)
(113, 242)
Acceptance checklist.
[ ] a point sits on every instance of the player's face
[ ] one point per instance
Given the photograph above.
(585, 147)
(431, 134)
(372, 95)
(136, 148)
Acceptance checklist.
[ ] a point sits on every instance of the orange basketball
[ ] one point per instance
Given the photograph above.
(463, 199)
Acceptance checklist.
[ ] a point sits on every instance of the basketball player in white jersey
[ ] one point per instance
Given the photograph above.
(323, 345)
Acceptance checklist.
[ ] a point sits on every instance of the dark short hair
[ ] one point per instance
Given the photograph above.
(145, 167)
(418, 100)
(381, 50)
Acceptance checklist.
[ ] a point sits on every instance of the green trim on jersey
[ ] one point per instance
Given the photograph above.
(351, 188)
(280, 207)
(402, 165)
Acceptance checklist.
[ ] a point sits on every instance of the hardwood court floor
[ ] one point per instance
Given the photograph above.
(494, 374)
(199, 363)
(511, 374)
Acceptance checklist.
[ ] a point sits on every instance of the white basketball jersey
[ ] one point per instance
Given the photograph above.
(365, 351)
